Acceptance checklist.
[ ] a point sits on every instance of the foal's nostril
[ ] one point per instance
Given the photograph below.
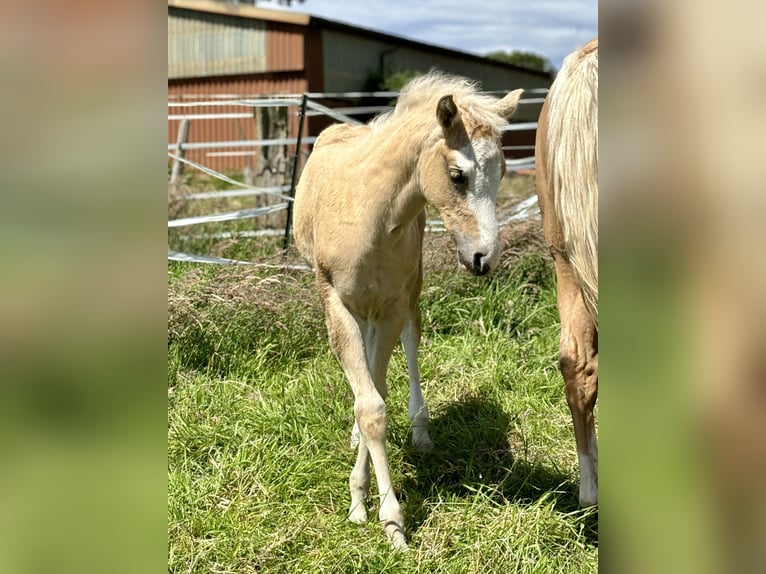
(479, 267)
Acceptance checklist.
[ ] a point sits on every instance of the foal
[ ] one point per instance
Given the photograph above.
(359, 220)
(566, 153)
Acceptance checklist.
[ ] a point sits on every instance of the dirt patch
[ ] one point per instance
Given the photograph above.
(521, 239)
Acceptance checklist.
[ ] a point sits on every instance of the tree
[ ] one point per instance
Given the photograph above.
(524, 59)
(395, 81)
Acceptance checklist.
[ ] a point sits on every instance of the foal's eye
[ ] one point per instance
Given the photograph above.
(457, 176)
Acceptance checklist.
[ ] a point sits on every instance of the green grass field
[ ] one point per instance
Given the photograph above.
(260, 414)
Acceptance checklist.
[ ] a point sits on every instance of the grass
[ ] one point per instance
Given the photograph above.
(259, 418)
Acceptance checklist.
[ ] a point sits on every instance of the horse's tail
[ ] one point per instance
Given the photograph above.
(573, 164)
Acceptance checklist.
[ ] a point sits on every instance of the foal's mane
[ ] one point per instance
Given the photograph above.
(419, 97)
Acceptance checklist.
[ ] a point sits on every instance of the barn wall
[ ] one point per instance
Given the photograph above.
(285, 47)
(203, 130)
(351, 62)
(201, 44)
(354, 62)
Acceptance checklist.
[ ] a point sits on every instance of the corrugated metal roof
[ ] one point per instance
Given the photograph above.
(241, 10)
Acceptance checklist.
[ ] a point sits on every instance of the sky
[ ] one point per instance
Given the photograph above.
(550, 28)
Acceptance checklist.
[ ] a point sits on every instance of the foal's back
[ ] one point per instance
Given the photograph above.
(332, 157)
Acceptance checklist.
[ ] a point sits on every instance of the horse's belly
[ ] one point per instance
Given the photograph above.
(374, 293)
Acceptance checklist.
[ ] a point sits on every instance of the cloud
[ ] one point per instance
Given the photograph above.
(551, 28)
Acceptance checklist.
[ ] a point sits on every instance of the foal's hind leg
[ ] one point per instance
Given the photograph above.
(578, 360)
(418, 411)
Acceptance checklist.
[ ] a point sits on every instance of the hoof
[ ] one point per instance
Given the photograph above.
(420, 439)
(422, 443)
(358, 513)
(396, 537)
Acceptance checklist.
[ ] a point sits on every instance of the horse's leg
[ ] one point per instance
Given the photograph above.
(359, 481)
(342, 332)
(578, 360)
(418, 411)
(578, 345)
(380, 338)
(347, 342)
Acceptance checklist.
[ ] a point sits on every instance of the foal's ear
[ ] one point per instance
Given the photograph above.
(509, 103)
(446, 111)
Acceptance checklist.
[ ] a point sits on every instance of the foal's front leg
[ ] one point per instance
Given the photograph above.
(359, 480)
(370, 412)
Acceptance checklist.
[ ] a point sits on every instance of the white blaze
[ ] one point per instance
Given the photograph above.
(480, 162)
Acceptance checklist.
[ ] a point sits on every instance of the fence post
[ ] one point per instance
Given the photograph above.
(294, 176)
(178, 166)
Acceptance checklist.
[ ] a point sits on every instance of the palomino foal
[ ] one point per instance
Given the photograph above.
(359, 220)
(567, 187)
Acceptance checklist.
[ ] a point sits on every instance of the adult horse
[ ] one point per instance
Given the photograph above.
(359, 219)
(566, 154)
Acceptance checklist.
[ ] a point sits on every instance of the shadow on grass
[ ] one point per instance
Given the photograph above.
(472, 454)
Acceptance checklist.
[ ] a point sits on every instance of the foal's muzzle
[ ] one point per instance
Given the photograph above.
(479, 264)
(475, 255)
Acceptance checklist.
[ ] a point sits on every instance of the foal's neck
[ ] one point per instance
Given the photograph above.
(397, 150)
